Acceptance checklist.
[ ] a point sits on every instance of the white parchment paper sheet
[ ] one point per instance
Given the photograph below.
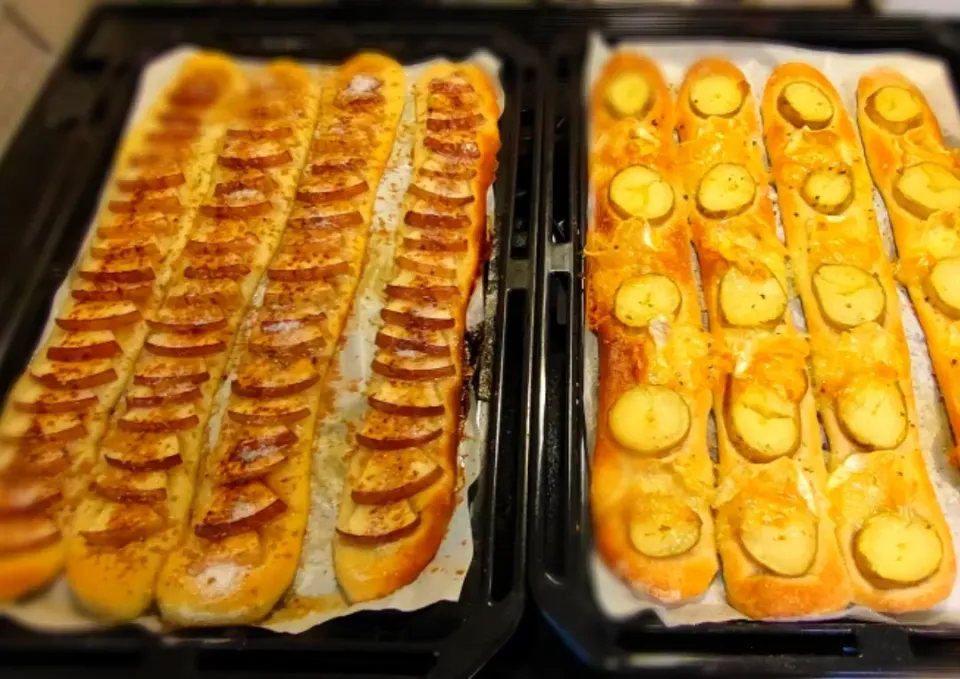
(757, 61)
(314, 597)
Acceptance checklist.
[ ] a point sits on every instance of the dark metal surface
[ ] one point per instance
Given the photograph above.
(49, 182)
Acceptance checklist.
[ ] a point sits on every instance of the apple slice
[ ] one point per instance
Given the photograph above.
(88, 291)
(256, 454)
(443, 122)
(416, 315)
(296, 266)
(173, 135)
(397, 338)
(119, 485)
(246, 154)
(255, 412)
(331, 187)
(450, 192)
(281, 318)
(454, 144)
(184, 346)
(254, 184)
(442, 168)
(338, 162)
(237, 211)
(237, 509)
(24, 495)
(449, 103)
(133, 226)
(324, 217)
(141, 452)
(375, 524)
(297, 340)
(155, 370)
(455, 83)
(418, 287)
(408, 365)
(319, 241)
(29, 397)
(138, 246)
(803, 104)
(361, 88)
(192, 293)
(26, 533)
(437, 241)
(244, 550)
(381, 431)
(894, 109)
(222, 237)
(43, 428)
(439, 264)
(90, 316)
(425, 215)
(151, 182)
(228, 265)
(629, 95)
(88, 375)
(293, 294)
(85, 346)
(192, 320)
(266, 379)
(153, 201)
(261, 134)
(162, 420)
(153, 396)
(411, 399)
(391, 476)
(340, 139)
(115, 524)
(45, 460)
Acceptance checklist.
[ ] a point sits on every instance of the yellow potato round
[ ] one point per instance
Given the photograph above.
(726, 190)
(895, 109)
(762, 424)
(848, 296)
(896, 550)
(943, 286)
(629, 95)
(716, 95)
(663, 525)
(829, 191)
(872, 412)
(803, 104)
(650, 419)
(780, 537)
(641, 299)
(926, 188)
(751, 300)
(641, 191)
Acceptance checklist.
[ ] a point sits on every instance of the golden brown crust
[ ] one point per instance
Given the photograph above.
(677, 358)
(125, 543)
(370, 565)
(871, 349)
(772, 355)
(88, 382)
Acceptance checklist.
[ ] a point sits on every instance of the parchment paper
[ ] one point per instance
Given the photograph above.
(314, 598)
(757, 61)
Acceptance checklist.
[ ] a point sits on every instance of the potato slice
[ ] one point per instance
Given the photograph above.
(781, 537)
(895, 109)
(872, 412)
(717, 95)
(650, 419)
(927, 188)
(763, 424)
(803, 104)
(643, 298)
(848, 295)
(829, 191)
(629, 95)
(663, 525)
(641, 191)
(726, 190)
(943, 286)
(750, 300)
(896, 550)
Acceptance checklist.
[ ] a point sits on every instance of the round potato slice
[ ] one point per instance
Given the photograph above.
(781, 538)
(943, 286)
(716, 95)
(848, 295)
(650, 419)
(895, 550)
(726, 190)
(662, 526)
(927, 188)
(629, 95)
(763, 424)
(872, 412)
(641, 299)
(641, 191)
(895, 109)
(803, 104)
(751, 300)
(829, 191)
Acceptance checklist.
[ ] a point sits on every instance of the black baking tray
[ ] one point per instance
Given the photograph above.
(49, 182)
(560, 530)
